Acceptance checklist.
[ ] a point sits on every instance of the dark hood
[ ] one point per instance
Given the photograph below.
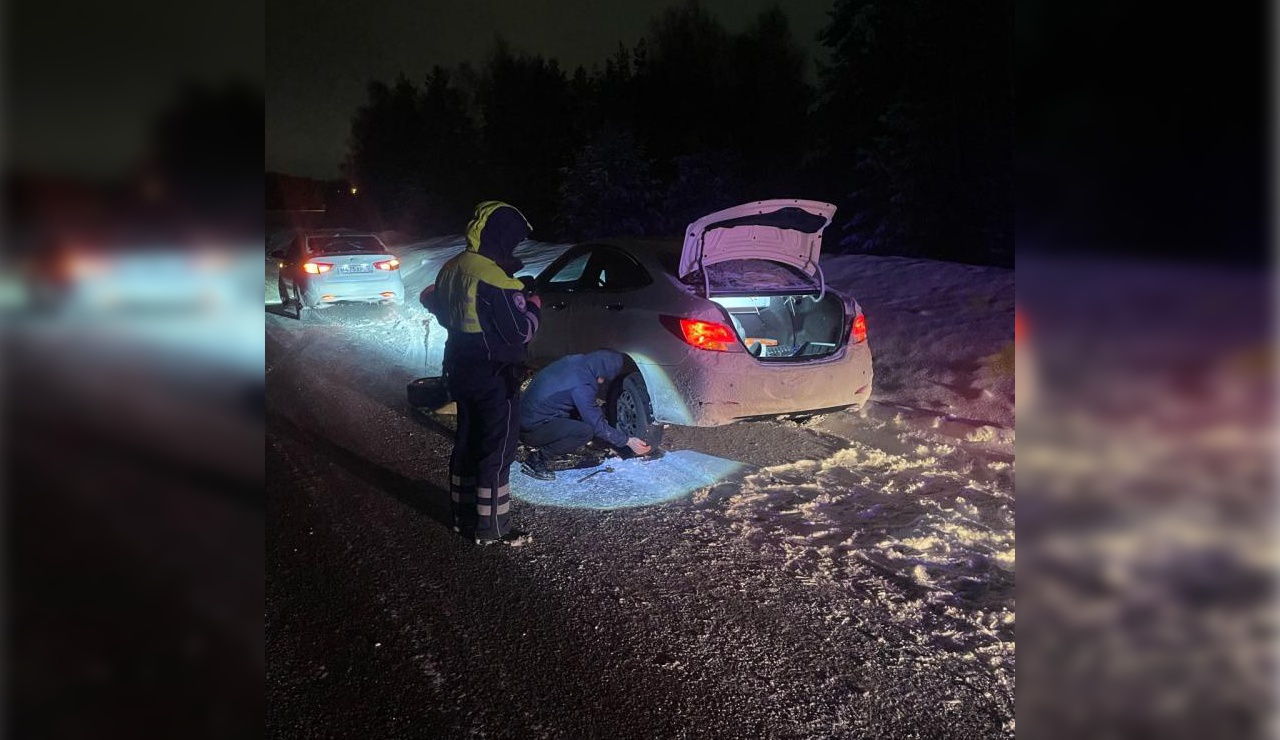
(495, 231)
(605, 363)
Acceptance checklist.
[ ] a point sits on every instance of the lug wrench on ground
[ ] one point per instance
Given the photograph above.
(595, 472)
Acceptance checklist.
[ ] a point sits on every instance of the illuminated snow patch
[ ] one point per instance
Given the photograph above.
(632, 482)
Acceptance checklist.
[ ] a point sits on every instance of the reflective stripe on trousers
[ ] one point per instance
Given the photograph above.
(485, 501)
(493, 512)
(484, 447)
(462, 491)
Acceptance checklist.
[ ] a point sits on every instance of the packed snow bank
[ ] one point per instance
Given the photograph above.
(941, 333)
(1149, 470)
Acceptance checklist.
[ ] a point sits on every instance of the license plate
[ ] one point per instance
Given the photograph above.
(355, 268)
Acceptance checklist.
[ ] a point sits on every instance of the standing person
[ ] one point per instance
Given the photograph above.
(490, 321)
(562, 390)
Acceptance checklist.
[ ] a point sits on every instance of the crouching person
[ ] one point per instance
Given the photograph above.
(564, 389)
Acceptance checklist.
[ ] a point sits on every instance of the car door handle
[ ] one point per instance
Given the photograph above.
(557, 305)
(613, 306)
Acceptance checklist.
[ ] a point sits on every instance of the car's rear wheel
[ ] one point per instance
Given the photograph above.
(630, 410)
(305, 311)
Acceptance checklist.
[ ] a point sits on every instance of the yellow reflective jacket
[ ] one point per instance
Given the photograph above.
(481, 305)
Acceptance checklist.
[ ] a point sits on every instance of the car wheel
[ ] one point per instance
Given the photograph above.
(300, 305)
(630, 410)
(284, 292)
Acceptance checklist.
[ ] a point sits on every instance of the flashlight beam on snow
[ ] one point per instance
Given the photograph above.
(635, 482)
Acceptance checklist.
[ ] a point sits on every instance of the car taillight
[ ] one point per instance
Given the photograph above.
(859, 329)
(83, 265)
(707, 335)
(391, 264)
(315, 268)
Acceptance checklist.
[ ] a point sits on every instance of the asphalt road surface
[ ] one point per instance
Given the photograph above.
(718, 614)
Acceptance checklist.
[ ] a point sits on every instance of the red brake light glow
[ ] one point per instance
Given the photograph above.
(707, 335)
(84, 265)
(391, 264)
(315, 268)
(859, 329)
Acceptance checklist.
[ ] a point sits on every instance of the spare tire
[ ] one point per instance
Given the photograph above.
(631, 411)
(428, 393)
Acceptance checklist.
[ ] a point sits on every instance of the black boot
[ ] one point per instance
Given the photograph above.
(514, 538)
(535, 466)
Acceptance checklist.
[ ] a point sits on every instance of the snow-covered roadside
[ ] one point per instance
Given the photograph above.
(902, 512)
(909, 525)
(941, 332)
(1149, 507)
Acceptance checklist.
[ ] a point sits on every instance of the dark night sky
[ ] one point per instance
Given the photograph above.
(85, 80)
(320, 55)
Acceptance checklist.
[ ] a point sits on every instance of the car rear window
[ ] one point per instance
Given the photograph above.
(342, 244)
(749, 275)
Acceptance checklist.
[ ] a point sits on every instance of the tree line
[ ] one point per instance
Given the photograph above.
(908, 129)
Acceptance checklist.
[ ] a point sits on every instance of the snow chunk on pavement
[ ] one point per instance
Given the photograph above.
(634, 482)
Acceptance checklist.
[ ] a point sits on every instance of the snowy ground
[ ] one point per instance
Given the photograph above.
(1148, 501)
(855, 580)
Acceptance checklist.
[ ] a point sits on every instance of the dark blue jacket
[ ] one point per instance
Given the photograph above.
(568, 385)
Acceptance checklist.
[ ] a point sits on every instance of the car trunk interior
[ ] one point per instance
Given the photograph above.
(784, 328)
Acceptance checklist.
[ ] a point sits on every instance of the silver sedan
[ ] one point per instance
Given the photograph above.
(734, 322)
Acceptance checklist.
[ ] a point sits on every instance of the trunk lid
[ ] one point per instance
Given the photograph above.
(354, 256)
(355, 267)
(782, 230)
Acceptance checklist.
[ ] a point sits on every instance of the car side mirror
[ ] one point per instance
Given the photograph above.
(277, 254)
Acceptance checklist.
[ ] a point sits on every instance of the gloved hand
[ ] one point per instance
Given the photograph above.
(510, 265)
(639, 446)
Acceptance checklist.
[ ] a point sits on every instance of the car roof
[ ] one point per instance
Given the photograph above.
(660, 254)
(656, 255)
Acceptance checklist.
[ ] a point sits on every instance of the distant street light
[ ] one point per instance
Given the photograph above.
(354, 189)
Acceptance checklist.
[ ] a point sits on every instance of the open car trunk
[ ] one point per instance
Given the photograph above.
(787, 327)
(759, 262)
(776, 311)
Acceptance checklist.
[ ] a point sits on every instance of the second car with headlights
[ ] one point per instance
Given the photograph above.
(321, 268)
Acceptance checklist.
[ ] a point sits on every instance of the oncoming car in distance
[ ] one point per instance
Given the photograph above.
(324, 267)
(734, 322)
